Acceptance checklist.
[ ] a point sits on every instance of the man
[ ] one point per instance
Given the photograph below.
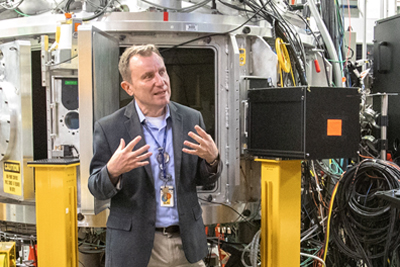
(143, 163)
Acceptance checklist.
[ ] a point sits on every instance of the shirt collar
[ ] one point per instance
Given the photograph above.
(142, 117)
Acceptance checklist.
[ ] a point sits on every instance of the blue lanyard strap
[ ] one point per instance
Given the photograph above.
(162, 153)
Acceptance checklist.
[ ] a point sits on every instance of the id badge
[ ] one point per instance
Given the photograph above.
(167, 196)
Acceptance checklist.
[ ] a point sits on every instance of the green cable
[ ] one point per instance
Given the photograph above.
(339, 16)
(335, 61)
(309, 260)
(22, 14)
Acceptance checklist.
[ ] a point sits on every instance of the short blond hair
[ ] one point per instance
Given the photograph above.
(142, 50)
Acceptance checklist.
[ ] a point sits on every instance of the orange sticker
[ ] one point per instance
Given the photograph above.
(76, 26)
(334, 127)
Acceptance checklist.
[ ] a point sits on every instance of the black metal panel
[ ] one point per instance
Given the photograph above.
(276, 122)
(38, 109)
(387, 72)
(296, 122)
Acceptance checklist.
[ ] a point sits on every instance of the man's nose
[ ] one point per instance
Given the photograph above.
(158, 79)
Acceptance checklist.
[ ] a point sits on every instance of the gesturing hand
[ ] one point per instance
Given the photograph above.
(125, 158)
(205, 149)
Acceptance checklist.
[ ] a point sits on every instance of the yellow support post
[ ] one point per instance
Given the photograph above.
(280, 213)
(7, 254)
(56, 212)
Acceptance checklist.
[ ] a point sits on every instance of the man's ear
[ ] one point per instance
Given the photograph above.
(127, 87)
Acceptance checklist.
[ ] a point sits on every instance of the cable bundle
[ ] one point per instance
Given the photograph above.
(282, 28)
(253, 249)
(364, 226)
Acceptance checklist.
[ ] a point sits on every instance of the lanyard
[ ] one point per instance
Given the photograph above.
(162, 153)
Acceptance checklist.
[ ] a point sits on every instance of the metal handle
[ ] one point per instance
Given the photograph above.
(245, 110)
(379, 58)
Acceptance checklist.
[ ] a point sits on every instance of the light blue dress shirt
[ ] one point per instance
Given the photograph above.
(165, 216)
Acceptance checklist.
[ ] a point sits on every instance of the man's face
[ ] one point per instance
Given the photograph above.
(149, 83)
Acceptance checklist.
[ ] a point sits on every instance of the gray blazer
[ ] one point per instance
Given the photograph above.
(131, 223)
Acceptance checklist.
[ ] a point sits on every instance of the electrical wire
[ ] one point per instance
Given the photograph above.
(185, 9)
(215, 34)
(310, 260)
(314, 257)
(101, 12)
(308, 233)
(253, 249)
(363, 226)
(283, 59)
(318, 194)
(296, 51)
(320, 45)
(59, 63)
(234, 6)
(68, 4)
(349, 16)
(283, 29)
(20, 13)
(96, 15)
(329, 220)
(93, 4)
(311, 205)
(58, 6)
(238, 213)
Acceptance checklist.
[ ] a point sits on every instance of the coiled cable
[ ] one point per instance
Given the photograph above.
(364, 226)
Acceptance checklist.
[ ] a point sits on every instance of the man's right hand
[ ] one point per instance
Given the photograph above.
(126, 159)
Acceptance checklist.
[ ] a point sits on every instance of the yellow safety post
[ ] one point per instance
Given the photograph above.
(56, 212)
(280, 212)
(8, 254)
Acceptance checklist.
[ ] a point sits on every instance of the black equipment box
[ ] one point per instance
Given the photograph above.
(304, 122)
(386, 76)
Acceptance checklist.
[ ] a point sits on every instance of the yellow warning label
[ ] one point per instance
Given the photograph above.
(12, 178)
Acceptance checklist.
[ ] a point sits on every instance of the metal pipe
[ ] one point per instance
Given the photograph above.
(364, 44)
(330, 47)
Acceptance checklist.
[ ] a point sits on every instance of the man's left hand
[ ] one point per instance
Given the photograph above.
(205, 147)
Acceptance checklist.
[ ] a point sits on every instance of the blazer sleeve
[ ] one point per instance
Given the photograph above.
(99, 183)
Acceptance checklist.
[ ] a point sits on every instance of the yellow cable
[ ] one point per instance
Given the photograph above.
(283, 59)
(280, 73)
(329, 219)
(283, 55)
(291, 71)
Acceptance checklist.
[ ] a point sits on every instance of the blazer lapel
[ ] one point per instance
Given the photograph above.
(177, 130)
(134, 128)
